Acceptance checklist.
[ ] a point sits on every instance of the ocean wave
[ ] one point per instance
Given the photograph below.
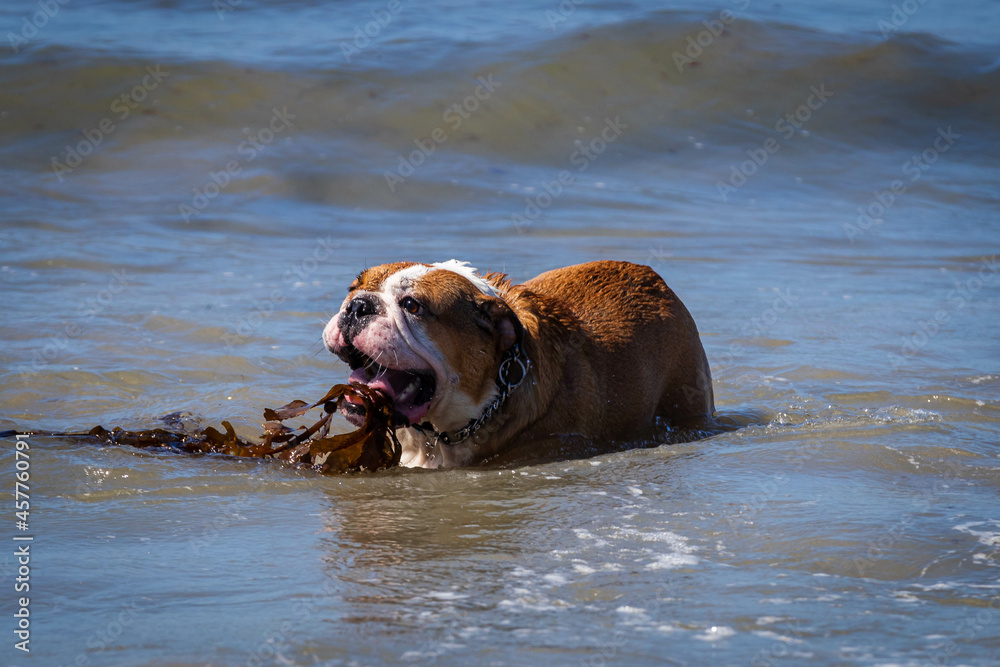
(750, 82)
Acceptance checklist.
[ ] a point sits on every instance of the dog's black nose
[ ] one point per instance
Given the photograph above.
(361, 306)
(358, 312)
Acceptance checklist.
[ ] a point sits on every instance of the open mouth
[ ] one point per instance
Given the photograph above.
(411, 391)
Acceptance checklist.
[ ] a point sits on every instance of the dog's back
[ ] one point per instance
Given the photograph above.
(639, 354)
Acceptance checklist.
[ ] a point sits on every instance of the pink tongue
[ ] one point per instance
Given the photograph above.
(392, 383)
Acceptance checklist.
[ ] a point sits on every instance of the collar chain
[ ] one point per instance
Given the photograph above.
(513, 369)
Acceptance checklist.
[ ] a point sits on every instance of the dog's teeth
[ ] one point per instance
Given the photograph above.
(410, 389)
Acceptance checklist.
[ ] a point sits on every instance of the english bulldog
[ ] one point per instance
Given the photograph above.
(480, 370)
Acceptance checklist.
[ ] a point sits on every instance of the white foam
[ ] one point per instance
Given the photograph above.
(895, 414)
(531, 602)
(446, 595)
(677, 551)
(587, 535)
(625, 609)
(413, 656)
(672, 539)
(943, 586)
(767, 634)
(715, 633)
(989, 538)
(671, 561)
(769, 620)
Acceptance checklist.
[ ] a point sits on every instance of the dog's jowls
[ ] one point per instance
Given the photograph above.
(604, 349)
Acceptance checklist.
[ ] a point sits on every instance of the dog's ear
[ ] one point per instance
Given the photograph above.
(497, 315)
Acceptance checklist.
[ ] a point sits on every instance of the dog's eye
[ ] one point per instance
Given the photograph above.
(410, 305)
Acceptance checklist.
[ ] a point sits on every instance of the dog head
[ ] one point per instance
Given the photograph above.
(430, 336)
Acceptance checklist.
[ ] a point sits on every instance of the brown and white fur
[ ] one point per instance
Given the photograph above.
(611, 349)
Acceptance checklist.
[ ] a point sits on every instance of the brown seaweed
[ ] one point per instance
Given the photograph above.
(372, 447)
